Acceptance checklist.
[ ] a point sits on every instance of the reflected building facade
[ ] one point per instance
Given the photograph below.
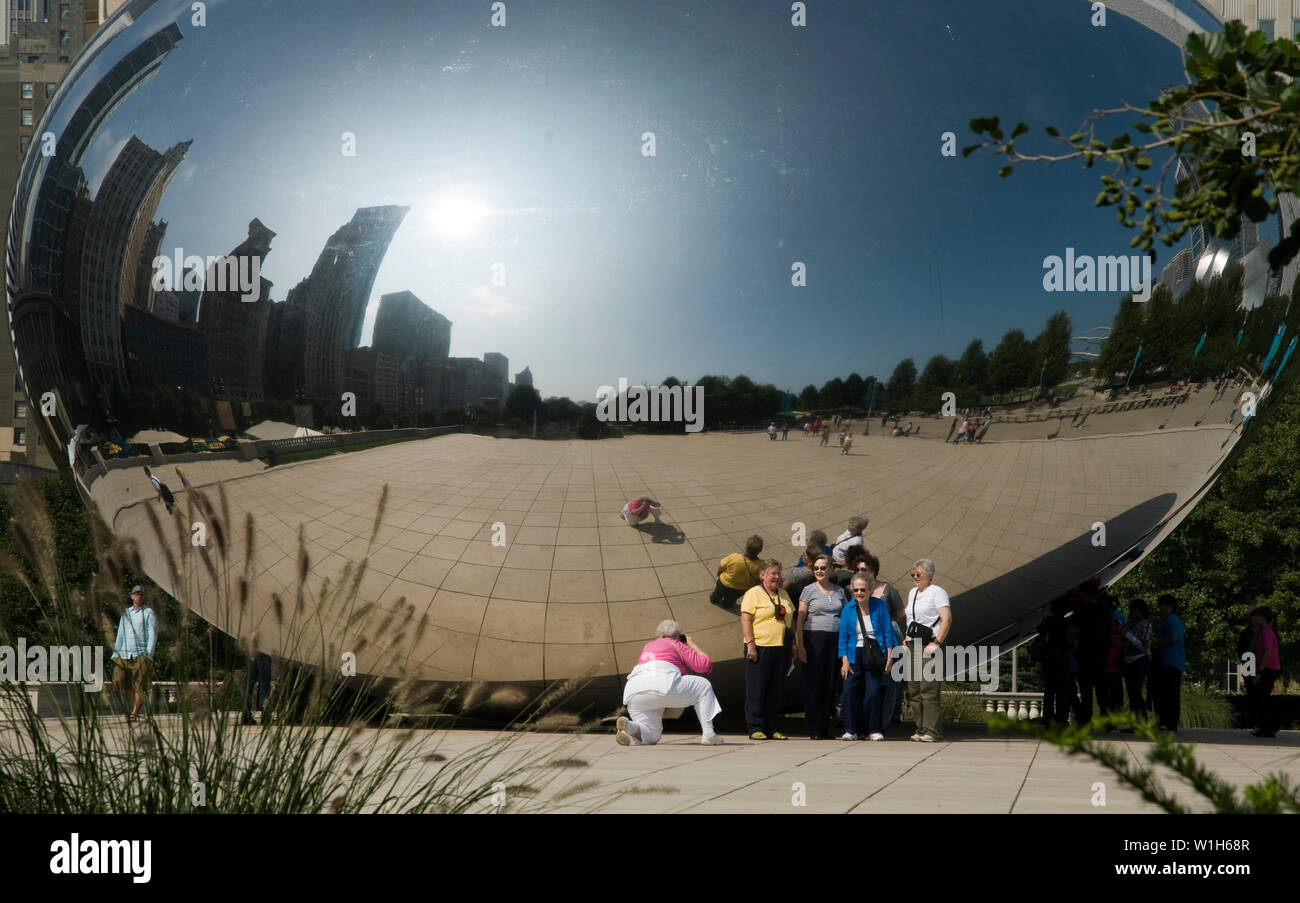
(414, 340)
(322, 317)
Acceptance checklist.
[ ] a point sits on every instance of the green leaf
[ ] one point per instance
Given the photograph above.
(1142, 162)
(1004, 171)
(1020, 129)
(1055, 134)
(965, 152)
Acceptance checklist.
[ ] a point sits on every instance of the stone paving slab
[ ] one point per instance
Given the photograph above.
(970, 773)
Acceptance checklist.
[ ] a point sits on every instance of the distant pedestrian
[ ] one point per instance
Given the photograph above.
(1137, 636)
(1268, 667)
(257, 678)
(1169, 654)
(785, 430)
(771, 431)
(164, 494)
(133, 651)
(842, 435)
(1056, 639)
(826, 436)
(847, 444)
(961, 432)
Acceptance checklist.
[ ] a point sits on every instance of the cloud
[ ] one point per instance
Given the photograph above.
(490, 304)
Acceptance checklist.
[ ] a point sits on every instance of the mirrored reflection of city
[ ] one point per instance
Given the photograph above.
(300, 262)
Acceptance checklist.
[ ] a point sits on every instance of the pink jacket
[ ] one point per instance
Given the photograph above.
(682, 657)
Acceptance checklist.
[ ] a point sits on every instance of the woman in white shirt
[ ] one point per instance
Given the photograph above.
(929, 618)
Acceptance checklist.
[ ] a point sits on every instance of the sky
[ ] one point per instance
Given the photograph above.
(520, 148)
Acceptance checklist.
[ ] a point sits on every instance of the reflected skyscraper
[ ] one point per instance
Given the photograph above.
(322, 318)
(235, 328)
(115, 232)
(418, 338)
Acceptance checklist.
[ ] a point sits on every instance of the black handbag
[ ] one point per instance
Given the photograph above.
(872, 658)
(918, 631)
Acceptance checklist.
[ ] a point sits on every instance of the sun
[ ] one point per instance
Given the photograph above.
(457, 217)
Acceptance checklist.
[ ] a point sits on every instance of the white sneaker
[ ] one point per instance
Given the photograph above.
(927, 738)
(712, 740)
(622, 737)
(918, 736)
(849, 737)
(876, 736)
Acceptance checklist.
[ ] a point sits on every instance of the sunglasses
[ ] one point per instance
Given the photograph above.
(821, 569)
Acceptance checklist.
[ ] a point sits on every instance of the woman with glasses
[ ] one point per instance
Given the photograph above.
(929, 618)
(765, 615)
(816, 634)
(866, 645)
(860, 561)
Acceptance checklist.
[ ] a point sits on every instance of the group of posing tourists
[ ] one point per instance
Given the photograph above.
(829, 614)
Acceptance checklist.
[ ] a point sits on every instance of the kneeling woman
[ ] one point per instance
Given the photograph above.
(866, 643)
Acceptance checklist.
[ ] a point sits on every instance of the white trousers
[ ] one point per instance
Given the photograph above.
(633, 520)
(646, 710)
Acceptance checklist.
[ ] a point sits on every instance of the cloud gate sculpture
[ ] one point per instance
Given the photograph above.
(247, 237)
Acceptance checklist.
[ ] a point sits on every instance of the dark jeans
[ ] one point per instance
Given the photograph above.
(821, 647)
(1114, 690)
(890, 691)
(1263, 715)
(862, 699)
(259, 677)
(1166, 687)
(763, 680)
(1135, 675)
(1058, 691)
(1091, 677)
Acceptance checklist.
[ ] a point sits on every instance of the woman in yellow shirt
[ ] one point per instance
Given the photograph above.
(766, 616)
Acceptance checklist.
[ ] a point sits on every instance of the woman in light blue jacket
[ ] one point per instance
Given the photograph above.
(861, 657)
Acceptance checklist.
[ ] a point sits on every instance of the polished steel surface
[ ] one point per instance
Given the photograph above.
(255, 219)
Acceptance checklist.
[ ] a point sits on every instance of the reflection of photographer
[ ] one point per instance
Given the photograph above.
(662, 680)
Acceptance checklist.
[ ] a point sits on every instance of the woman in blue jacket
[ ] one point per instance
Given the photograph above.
(861, 703)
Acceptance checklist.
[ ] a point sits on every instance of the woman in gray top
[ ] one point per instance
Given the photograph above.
(816, 639)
